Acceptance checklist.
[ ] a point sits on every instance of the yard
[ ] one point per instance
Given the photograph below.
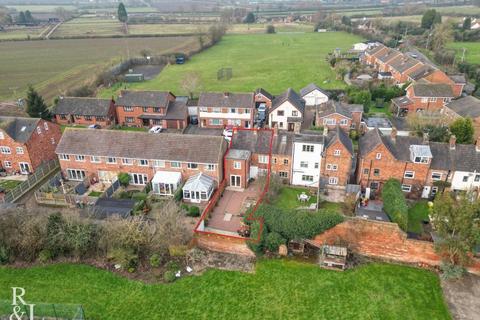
(279, 289)
(416, 215)
(272, 61)
(287, 198)
(9, 184)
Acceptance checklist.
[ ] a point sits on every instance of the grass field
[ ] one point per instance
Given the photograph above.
(416, 214)
(274, 62)
(472, 54)
(55, 66)
(9, 184)
(278, 290)
(89, 26)
(40, 8)
(22, 33)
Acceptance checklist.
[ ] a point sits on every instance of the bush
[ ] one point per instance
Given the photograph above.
(178, 195)
(451, 271)
(273, 240)
(125, 257)
(193, 211)
(45, 256)
(270, 29)
(155, 260)
(172, 266)
(256, 241)
(169, 276)
(124, 178)
(394, 203)
(139, 196)
(4, 255)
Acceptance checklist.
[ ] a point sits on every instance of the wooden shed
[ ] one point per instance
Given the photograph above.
(333, 257)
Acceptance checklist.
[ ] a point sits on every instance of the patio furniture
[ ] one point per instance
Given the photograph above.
(303, 197)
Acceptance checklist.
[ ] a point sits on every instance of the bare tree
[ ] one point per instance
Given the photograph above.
(191, 83)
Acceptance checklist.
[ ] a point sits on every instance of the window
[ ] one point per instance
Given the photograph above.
(217, 110)
(283, 174)
(63, 156)
(143, 162)
(19, 150)
(157, 110)
(192, 165)
(127, 109)
(424, 100)
(406, 188)
(366, 171)
(145, 109)
(262, 159)
(95, 159)
(376, 172)
(45, 126)
(275, 160)
(111, 160)
(159, 163)
(465, 178)
(233, 110)
(333, 180)
(5, 150)
(203, 109)
(39, 130)
(421, 160)
(88, 118)
(434, 190)
(285, 161)
(307, 178)
(129, 120)
(7, 164)
(237, 165)
(216, 122)
(409, 174)
(316, 165)
(210, 167)
(343, 122)
(477, 178)
(2, 136)
(378, 156)
(127, 162)
(79, 158)
(280, 113)
(303, 164)
(432, 99)
(332, 167)
(75, 174)
(336, 152)
(307, 148)
(100, 118)
(247, 110)
(329, 121)
(52, 140)
(374, 185)
(175, 164)
(294, 113)
(436, 176)
(138, 179)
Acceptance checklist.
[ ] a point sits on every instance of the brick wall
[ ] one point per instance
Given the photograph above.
(383, 240)
(343, 162)
(243, 171)
(278, 165)
(338, 118)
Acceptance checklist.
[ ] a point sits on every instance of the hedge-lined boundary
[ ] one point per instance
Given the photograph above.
(394, 203)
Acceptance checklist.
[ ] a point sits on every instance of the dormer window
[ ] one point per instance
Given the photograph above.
(420, 154)
(39, 130)
(421, 160)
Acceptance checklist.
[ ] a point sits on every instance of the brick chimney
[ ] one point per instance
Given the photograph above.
(452, 142)
(226, 94)
(393, 134)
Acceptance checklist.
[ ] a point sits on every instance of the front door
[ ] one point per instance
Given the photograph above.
(24, 168)
(195, 196)
(235, 181)
(291, 126)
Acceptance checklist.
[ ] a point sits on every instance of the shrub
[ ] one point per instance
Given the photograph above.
(172, 266)
(270, 29)
(169, 276)
(125, 257)
(124, 178)
(394, 203)
(451, 271)
(273, 240)
(139, 196)
(193, 211)
(45, 256)
(4, 255)
(155, 260)
(178, 195)
(256, 241)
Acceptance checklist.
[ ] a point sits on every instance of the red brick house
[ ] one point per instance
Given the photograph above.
(263, 96)
(404, 158)
(336, 171)
(84, 111)
(382, 61)
(401, 66)
(370, 56)
(218, 110)
(333, 113)
(151, 108)
(101, 155)
(27, 142)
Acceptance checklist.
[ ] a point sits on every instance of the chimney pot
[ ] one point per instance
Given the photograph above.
(226, 94)
(452, 142)
(425, 137)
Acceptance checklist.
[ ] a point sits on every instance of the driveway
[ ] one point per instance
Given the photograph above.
(463, 297)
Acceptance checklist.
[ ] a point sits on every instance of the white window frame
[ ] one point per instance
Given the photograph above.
(5, 150)
(262, 159)
(64, 157)
(192, 165)
(45, 126)
(2, 136)
(7, 164)
(175, 164)
(378, 156)
(127, 162)
(111, 160)
(95, 159)
(409, 174)
(19, 150)
(79, 174)
(159, 163)
(437, 173)
(39, 130)
(143, 162)
(337, 152)
(308, 148)
(304, 164)
(333, 180)
(79, 158)
(210, 167)
(307, 178)
(406, 187)
(237, 165)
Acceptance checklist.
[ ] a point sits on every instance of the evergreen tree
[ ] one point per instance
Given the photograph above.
(36, 107)
(467, 23)
(21, 18)
(28, 17)
(122, 13)
(250, 18)
(463, 130)
(430, 17)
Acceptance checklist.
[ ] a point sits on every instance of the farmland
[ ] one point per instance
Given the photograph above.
(274, 62)
(54, 66)
(472, 53)
(279, 289)
(88, 26)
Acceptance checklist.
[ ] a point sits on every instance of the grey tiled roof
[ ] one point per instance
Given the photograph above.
(143, 98)
(331, 107)
(342, 136)
(226, 100)
(128, 144)
(82, 106)
(253, 141)
(458, 78)
(375, 49)
(238, 154)
(311, 87)
(438, 90)
(464, 157)
(403, 63)
(402, 101)
(421, 72)
(388, 55)
(466, 107)
(18, 128)
(264, 92)
(291, 96)
(177, 110)
(309, 137)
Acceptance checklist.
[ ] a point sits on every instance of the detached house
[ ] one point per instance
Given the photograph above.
(287, 111)
(84, 111)
(218, 110)
(166, 161)
(27, 142)
(423, 96)
(334, 113)
(151, 108)
(314, 95)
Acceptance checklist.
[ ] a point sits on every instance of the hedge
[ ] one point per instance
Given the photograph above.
(394, 203)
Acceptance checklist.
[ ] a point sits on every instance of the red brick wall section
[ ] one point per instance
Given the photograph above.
(343, 162)
(243, 172)
(337, 117)
(385, 241)
(223, 244)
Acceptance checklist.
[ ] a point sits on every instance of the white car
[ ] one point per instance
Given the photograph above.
(156, 129)
(228, 133)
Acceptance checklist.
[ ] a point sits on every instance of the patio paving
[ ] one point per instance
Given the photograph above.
(228, 215)
(373, 211)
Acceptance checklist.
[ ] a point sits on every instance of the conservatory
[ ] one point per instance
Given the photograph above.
(165, 183)
(198, 188)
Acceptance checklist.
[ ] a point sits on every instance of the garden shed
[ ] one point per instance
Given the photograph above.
(198, 188)
(333, 257)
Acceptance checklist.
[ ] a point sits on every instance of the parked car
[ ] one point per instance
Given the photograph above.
(227, 132)
(156, 129)
(94, 126)
(194, 120)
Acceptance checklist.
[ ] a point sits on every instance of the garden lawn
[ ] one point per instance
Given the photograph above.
(287, 198)
(416, 214)
(9, 184)
(279, 289)
(272, 61)
(472, 53)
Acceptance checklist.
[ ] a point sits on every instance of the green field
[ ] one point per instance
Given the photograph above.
(40, 8)
(278, 290)
(472, 53)
(89, 26)
(54, 66)
(274, 62)
(22, 33)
